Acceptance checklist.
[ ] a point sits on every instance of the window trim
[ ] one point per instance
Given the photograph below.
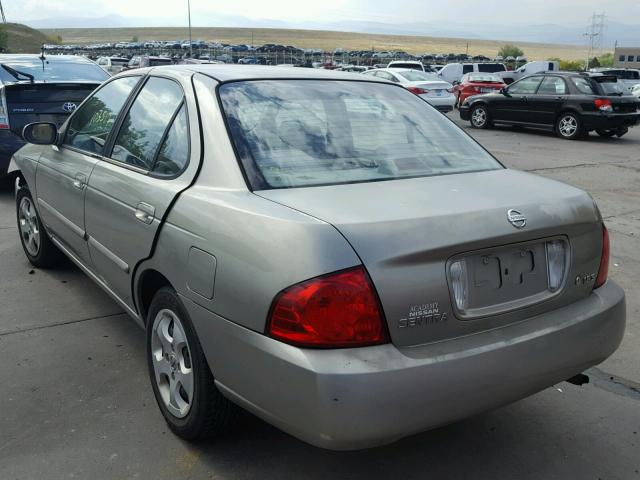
(73, 148)
(117, 126)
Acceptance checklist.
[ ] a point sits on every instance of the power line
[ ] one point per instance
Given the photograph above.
(4, 19)
(595, 35)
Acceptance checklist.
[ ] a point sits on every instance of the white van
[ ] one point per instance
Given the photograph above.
(529, 69)
(453, 72)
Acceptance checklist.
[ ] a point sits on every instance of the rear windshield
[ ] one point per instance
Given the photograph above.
(483, 77)
(297, 133)
(53, 71)
(155, 62)
(608, 86)
(418, 76)
(413, 66)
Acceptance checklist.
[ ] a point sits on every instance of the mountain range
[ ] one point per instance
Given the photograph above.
(623, 34)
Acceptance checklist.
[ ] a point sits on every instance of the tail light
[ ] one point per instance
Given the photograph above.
(417, 90)
(338, 310)
(603, 272)
(603, 104)
(4, 111)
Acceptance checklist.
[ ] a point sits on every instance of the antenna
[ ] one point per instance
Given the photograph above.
(4, 19)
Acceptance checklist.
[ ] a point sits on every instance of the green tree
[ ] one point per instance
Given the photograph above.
(606, 60)
(594, 63)
(572, 65)
(3, 38)
(135, 39)
(510, 50)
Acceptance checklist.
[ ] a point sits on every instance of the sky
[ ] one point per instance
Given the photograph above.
(397, 11)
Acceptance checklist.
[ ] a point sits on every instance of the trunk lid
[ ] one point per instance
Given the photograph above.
(43, 102)
(407, 232)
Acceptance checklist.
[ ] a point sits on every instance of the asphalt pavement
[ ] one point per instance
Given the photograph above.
(76, 401)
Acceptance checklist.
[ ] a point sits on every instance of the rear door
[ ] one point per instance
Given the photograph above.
(132, 188)
(63, 171)
(546, 103)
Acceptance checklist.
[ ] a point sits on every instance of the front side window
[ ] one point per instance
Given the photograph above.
(526, 86)
(552, 86)
(467, 68)
(297, 133)
(91, 124)
(146, 122)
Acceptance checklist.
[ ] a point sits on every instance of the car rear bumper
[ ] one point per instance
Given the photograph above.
(611, 121)
(10, 143)
(359, 398)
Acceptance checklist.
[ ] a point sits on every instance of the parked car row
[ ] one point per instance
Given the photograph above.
(318, 247)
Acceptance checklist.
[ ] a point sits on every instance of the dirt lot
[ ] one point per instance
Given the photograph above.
(76, 401)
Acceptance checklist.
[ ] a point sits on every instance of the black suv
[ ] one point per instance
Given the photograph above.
(572, 104)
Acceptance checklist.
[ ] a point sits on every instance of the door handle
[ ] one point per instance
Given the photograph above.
(145, 213)
(80, 181)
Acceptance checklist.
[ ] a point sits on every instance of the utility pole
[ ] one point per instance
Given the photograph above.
(190, 39)
(595, 35)
(4, 20)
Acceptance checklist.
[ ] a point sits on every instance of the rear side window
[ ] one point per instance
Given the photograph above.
(467, 69)
(584, 85)
(146, 122)
(174, 152)
(490, 67)
(91, 124)
(552, 86)
(297, 133)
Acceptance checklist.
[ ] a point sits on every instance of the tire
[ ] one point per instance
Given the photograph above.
(569, 126)
(175, 359)
(479, 117)
(37, 245)
(606, 133)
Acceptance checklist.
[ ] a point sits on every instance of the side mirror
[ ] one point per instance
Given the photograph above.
(40, 133)
(505, 91)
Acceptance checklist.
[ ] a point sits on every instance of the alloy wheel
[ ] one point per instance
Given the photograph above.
(172, 365)
(479, 117)
(568, 126)
(29, 229)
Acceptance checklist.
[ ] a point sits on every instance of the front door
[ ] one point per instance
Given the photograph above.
(514, 105)
(63, 171)
(131, 189)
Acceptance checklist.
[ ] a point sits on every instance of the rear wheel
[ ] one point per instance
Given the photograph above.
(182, 382)
(37, 245)
(568, 126)
(480, 117)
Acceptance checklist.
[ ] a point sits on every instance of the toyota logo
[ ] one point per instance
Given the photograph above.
(69, 107)
(516, 219)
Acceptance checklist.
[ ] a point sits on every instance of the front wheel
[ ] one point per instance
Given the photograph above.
(37, 245)
(182, 382)
(480, 117)
(568, 126)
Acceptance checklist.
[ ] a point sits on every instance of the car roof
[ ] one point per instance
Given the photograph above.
(13, 57)
(230, 73)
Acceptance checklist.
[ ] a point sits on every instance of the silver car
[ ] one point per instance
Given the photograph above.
(323, 249)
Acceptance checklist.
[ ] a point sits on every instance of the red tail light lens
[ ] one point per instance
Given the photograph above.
(603, 272)
(417, 91)
(333, 311)
(603, 104)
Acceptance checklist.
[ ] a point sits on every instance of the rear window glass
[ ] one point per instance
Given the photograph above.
(483, 77)
(53, 71)
(418, 76)
(296, 133)
(613, 88)
(491, 67)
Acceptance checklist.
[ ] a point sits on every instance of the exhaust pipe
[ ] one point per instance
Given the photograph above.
(579, 379)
